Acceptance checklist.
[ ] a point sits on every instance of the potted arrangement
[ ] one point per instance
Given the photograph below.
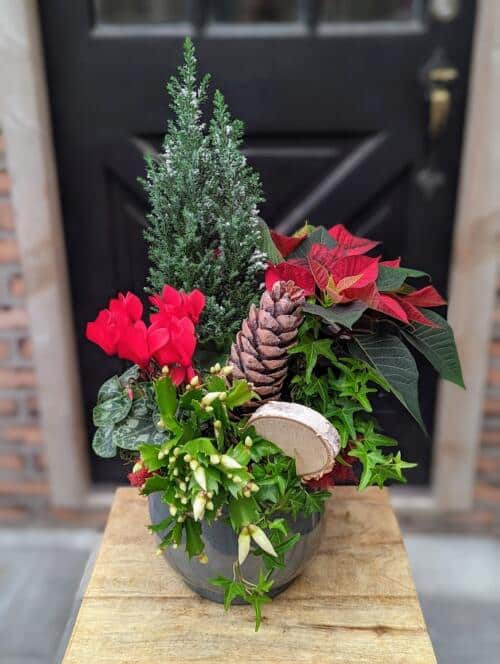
(251, 386)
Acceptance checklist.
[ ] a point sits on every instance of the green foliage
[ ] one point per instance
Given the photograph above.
(208, 464)
(204, 231)
(437, 345)
(125, 415)
(389, 356)
(340, 314)
(318, 236)
(341, 392)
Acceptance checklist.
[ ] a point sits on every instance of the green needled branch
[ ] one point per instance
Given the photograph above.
(203, 230)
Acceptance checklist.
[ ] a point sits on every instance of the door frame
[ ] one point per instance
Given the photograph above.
(26, 125)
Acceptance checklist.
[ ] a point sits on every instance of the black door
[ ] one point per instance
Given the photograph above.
(336, 98)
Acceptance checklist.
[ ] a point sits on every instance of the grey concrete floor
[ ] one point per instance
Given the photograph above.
(458, 579)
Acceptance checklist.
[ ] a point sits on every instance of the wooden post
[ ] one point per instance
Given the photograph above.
(475, 259)
(35, 194)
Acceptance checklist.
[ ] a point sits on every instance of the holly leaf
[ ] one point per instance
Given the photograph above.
(318, 236)
(243, 511)
(388, 355)
(437, 345)
(194, 543)
(340, 314)
(102, 443)
(112, 410)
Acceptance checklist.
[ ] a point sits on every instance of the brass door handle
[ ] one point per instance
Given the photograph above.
(440, 98)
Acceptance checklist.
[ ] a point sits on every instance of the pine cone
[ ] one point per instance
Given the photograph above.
(259, 353)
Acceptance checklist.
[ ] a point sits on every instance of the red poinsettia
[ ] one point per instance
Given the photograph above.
(341, 278)
(349, 244)
(169, 340)
(285, 244)
(345, 274)
(291, 271)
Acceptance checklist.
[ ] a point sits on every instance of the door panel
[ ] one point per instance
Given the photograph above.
(334, 96)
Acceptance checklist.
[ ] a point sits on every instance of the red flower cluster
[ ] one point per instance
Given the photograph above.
(345, 274)
(139, 474)
(170, 338)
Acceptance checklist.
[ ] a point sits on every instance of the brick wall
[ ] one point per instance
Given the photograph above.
(23, 477)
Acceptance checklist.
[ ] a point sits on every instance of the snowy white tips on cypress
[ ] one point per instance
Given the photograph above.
(300, 432)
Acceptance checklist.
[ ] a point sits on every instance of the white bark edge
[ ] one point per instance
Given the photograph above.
(284, 423)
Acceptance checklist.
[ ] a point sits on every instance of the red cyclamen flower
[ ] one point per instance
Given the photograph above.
(170, 339)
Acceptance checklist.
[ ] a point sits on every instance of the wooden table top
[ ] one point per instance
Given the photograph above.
(356, 602)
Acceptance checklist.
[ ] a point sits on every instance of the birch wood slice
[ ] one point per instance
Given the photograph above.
(300, 432)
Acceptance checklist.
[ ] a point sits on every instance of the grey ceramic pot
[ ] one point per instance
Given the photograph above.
(222, 550)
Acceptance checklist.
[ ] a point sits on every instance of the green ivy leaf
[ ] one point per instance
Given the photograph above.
(313, 350)
(318, 236)
(263, 448)
(194, 543)
(102, 443)
(243, 511)
(437, 345)
(258, 601)
(393, 361)
(241, 454)
(112, 410)
(339, 314)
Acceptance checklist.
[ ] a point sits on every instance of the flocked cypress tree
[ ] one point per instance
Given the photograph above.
(204, 230)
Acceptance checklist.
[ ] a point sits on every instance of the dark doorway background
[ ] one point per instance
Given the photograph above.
(335, 96)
